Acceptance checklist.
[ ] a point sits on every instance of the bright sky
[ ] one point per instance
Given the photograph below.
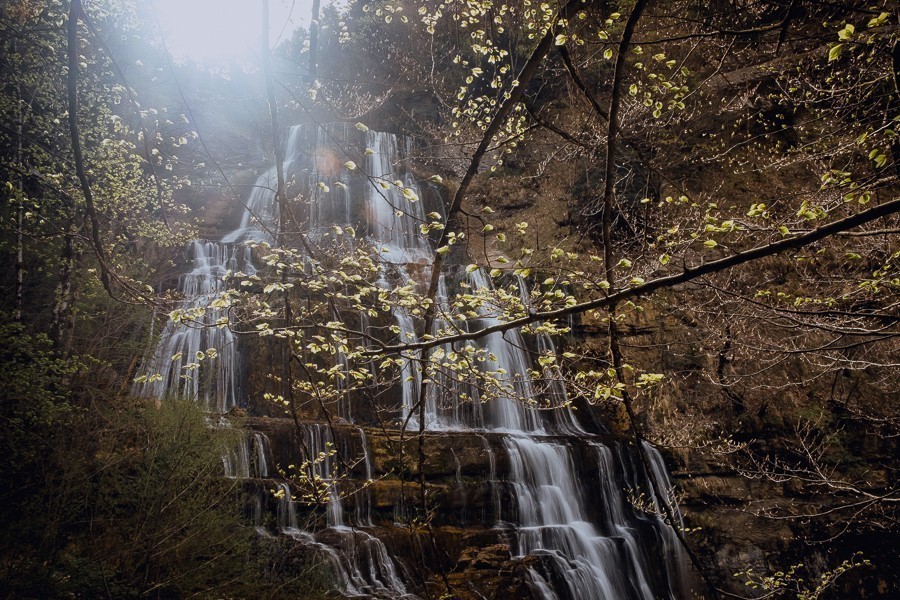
(208, 30)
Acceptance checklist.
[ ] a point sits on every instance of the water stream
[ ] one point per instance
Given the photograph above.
(591, 543)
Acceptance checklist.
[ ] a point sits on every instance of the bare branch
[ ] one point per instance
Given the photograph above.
(689, 274)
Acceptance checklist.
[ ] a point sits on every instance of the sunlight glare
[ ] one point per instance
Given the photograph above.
(215, 30)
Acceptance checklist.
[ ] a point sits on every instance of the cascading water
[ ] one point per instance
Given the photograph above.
(585, 551)
(196, 358)
(587, 560)
(394, 213)
(368, 568)
(261, 451)
(583, 559)
(182, 364)
(236, 460)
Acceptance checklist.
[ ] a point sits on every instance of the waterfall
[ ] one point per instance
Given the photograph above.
(363, 496)
(236, 460)
(366, 563)
(588, 541)
(581, 558)
(394, 212)
(194, 357)
(261, 451)
(553, 388)
(182, 364)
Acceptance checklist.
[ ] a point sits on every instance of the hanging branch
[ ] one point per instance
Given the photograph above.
(107, 275)
(515, 96)
(75, 11)
(615, 351)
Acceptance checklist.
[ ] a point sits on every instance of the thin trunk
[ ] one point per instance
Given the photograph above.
(273, 122)
(615, 352)
(75, 12)
(20, 212)
(20, 248)
(736, 402)
(20, 258)
(314, 40)
(287, 383)
(63, 325)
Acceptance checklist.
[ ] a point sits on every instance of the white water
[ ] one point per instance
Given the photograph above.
(367, 568)
(359, 561)
(603, 560)
(582, 555)
(176, 368)
(236, 461)
(393, 219)
(261, 451)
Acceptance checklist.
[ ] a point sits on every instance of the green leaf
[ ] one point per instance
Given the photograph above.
(835, 52)
(879, 20)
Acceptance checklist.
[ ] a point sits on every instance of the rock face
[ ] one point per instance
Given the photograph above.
(739, 526)
(473, 500)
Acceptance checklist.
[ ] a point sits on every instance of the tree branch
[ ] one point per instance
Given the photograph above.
(867, 216)
(75, 11)
(515, 96)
